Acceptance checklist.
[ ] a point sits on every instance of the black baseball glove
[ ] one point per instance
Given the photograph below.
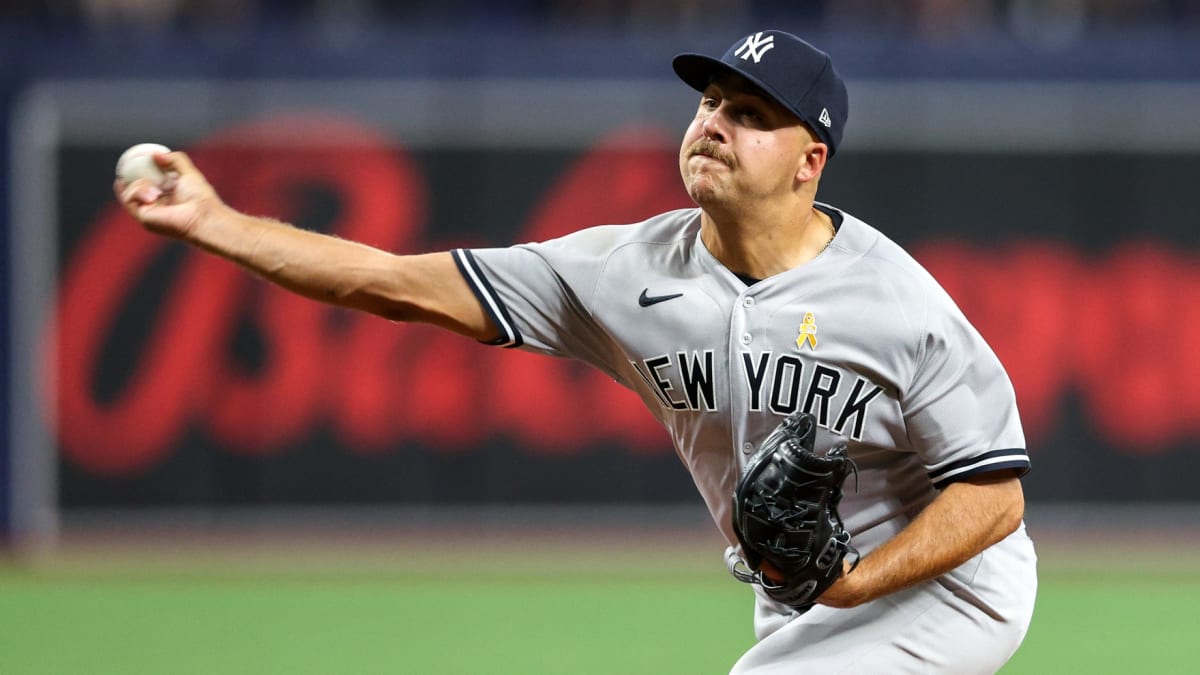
(785, 513)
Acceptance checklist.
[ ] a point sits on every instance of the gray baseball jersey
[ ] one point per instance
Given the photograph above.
(861, 336)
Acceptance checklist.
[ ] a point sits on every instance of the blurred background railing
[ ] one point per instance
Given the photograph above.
(1038, 156)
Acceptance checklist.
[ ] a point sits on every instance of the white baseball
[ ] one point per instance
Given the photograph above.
(138, 162)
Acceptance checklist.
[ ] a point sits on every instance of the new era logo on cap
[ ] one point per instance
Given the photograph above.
(797, 75)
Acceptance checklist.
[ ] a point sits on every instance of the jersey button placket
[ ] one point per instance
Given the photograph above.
(747, 303)
(740, 332)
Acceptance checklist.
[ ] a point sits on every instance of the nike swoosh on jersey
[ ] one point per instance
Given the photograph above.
(646, 300)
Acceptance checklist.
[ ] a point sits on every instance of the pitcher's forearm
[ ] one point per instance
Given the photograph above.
(426, 288)
(318, 266)
(965, 519)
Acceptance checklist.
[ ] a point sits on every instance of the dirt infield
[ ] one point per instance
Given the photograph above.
(506, 540)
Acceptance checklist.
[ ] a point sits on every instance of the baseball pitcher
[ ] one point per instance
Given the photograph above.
(855, 439)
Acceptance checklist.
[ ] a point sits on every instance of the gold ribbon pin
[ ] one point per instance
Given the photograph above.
(808, 332)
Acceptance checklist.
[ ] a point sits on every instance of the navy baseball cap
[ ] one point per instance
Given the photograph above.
(794, 73)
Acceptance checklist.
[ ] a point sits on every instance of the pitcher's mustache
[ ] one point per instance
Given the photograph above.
(710, 148)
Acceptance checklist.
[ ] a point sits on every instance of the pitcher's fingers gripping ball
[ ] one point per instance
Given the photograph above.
(785, 514)
(163, 189)
(138, 162)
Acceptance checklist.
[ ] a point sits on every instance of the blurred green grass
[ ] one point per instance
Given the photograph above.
(618, 607)
(382, 625)
(1111, 623)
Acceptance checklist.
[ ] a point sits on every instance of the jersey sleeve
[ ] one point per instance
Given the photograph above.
(961, 410)
(535, 306)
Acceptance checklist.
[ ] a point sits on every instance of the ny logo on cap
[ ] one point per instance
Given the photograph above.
(755, 46)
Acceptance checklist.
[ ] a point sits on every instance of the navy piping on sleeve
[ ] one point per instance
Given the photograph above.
(996, 460)
(469, 268)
